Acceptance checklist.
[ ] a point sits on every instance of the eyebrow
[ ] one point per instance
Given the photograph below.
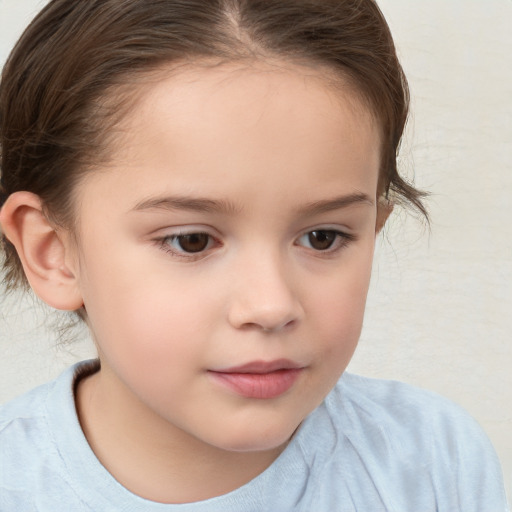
(337, 203)
(204, 205)
(193, 204)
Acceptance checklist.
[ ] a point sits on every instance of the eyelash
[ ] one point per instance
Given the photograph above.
(341, 240)
(165, 244)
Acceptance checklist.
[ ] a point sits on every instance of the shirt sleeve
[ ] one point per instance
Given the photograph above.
(464, 457)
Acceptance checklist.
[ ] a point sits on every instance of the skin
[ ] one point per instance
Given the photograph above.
(256, 158)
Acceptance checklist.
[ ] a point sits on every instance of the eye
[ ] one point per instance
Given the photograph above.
(321, 240)
(189, 243)
(324, 239)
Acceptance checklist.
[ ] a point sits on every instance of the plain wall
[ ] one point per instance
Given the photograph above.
(440, 305)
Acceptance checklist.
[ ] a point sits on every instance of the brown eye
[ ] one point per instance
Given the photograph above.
(321, 240)
(194, 242)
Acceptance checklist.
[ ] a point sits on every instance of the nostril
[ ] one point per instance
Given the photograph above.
(268, 329)
(255, 305)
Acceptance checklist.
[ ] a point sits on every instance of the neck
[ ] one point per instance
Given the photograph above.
(152, 458)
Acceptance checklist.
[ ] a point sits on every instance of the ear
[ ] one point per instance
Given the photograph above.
(384, 209)
(44, 254)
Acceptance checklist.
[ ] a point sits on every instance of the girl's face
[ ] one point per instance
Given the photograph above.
(225, 251)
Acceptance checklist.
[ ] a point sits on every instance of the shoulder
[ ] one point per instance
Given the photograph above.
(31, 428)
(396, 405)
(24, 428)
(33, 406)
(24, 442)
(390, 399)
(408, 417)
(23, 410)
(414, 444)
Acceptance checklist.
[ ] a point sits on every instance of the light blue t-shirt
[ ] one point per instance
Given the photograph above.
(371, 446)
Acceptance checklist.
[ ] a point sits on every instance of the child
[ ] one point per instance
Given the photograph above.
(202, 183)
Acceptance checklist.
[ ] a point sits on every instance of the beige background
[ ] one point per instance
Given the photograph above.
(440, 305)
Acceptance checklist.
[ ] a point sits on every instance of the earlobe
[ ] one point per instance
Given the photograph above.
(43, 254)
(384, 209)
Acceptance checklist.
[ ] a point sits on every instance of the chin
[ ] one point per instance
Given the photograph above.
(257, 440)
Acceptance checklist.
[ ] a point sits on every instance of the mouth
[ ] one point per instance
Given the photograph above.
(259, 379)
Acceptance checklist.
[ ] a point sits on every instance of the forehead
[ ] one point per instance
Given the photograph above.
(217, 129)
(227, 92)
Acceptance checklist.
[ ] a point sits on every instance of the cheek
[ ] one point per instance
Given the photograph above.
(152, 341)
(150, 316)
(149, 320)
(335, 320)
(339, 308)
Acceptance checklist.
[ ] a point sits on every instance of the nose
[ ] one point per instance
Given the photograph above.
(264, 297)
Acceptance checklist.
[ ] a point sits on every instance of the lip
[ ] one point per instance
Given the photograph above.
(260, 367)
(259, 379)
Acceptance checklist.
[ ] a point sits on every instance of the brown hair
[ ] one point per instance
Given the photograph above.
(60, 88)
